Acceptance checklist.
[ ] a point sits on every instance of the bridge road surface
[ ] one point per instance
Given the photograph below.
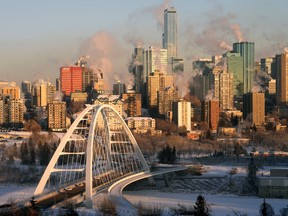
(115, 190)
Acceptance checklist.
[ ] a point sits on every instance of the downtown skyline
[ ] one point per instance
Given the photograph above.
(38, 38)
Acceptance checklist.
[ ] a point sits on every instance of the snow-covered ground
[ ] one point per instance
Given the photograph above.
(221, 204)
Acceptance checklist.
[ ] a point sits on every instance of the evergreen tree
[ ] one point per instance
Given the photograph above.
(201, 208)
(32, 152)
(251, 180)
(266, 209)
(44, 154)
(15, 151)
(24, 153)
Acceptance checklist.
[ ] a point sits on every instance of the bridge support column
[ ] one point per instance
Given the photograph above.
(89, 203)
(151, 181)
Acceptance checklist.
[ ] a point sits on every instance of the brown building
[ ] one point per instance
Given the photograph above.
(166, 98)
(281, 63)
(157, 81)
(11, 110)
(132, 103)
(56, 115)
(210, 114)
(254, 107)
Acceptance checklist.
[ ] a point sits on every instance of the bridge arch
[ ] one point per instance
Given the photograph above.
(97, 148)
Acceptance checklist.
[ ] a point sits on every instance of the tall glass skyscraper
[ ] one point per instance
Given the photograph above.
(247, 50)
(170, 33)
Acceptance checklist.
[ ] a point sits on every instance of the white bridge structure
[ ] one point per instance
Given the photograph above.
(98, 149)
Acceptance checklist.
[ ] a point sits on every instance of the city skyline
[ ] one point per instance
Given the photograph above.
(39, 38)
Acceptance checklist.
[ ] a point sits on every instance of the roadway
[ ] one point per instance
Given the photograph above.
(115, 190)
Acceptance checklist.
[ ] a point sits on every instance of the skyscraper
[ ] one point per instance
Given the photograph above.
(157, 81)
(266, 65)
(137, 69)
(71, 79)
(246, 49)
(235, 66)
(210, 113)
(223, 88)
(170, 33)
(132, 103)
(182, 114)
(56, 115)
(281, 63)
(254, 107)
(43, 92)
(154, 59)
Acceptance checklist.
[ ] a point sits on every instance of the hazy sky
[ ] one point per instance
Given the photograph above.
(38, 37)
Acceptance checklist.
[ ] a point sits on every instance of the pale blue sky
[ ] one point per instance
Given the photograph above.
(37, 37)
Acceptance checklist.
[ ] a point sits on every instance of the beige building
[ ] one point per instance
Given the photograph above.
(132, 103)
(43, 93)
(223, 88)
(254, 107)
(11, 110)
(272, 86)
(10, 88)
(182, 114)
(116, 103)
(282, 78)
(166, 98)
(56, 115)
(157, 81)
(141, 124)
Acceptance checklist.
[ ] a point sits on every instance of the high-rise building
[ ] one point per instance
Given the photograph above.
(201, 86)
(157, 81)
(166, 98)
(266, 65)
(119, 88)
(182, 114)
(56, 115)
(71, 79)
(170, 33)
(26, 87)
(10, 88)
(154, 59)
(132, 103)
(88, 77)
(282, 78)
(223, 88)
(235, 66)
(272, 87)
(11, 110)
(137, 69)
(43, 92)
(210, 113)
(247, 50)
(254, 107)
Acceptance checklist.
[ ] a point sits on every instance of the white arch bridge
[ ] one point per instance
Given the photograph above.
(97, 150)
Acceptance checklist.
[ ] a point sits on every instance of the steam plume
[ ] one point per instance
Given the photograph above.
(106, 56)
(237, 32)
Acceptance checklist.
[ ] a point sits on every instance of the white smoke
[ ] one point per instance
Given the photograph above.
(106, 56)
(237, 32)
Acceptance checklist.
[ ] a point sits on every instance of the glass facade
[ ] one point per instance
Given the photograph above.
(247, 50)
(170, 33)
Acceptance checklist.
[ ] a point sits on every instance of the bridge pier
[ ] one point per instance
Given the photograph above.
(89, 203)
